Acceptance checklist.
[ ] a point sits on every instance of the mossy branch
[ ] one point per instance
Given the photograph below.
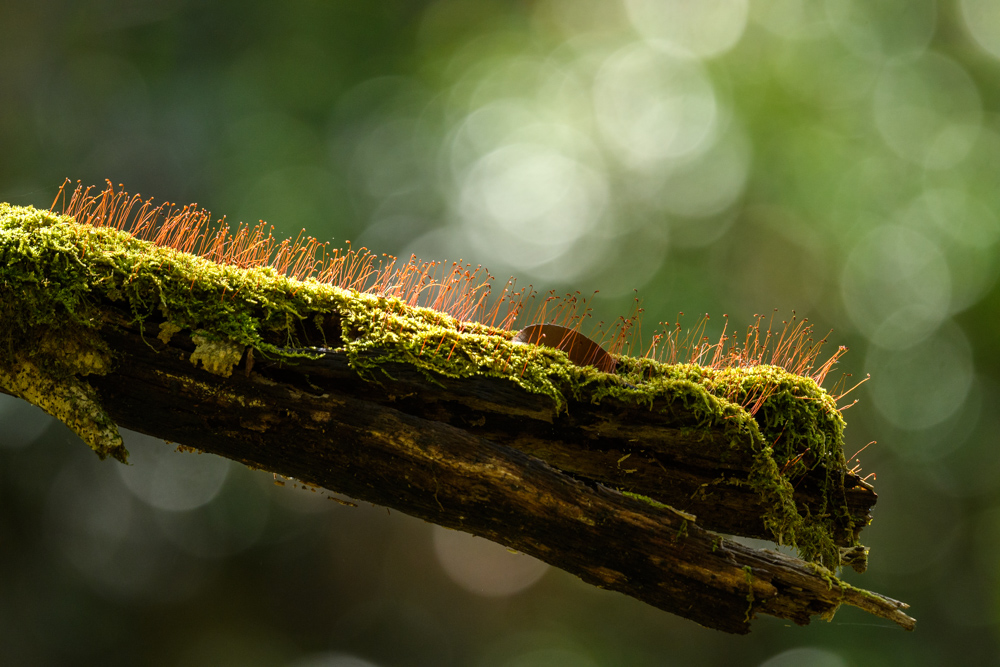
(618, 479)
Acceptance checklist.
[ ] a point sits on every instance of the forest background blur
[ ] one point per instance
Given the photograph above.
(839, 159)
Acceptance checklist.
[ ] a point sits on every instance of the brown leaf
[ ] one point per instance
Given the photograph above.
(581, 350)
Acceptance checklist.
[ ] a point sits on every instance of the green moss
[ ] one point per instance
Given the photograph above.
(748, 571)
(796, 429)
(682, 532)
(55, 274)
(646, 499)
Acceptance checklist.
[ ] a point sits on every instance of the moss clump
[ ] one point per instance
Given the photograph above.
(55, 274)
(48, 335)
(796, 429)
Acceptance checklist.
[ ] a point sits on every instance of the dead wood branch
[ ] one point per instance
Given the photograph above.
(410, 409)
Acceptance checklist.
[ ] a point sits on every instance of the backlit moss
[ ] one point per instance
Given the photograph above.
(55, 274)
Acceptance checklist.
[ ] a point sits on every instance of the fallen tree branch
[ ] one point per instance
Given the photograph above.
(512, 443)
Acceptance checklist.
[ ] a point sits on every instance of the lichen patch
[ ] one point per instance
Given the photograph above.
(70, 400)
(167, 331)
(216, 356)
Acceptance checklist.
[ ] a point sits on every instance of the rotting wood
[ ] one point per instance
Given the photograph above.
(626, 447)
(479, 453)
(312, 427)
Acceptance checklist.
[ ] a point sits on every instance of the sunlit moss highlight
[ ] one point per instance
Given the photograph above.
(55, 274)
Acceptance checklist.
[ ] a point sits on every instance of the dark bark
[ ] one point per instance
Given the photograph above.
(627, 447)
(484, 456)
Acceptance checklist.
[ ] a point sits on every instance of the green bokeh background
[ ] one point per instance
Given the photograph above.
(837, 158)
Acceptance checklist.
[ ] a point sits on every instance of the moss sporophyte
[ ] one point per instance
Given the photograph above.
(242, 293)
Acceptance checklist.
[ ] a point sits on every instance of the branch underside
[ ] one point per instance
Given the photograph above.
(320, 422)
(636, 449)
(614, 482)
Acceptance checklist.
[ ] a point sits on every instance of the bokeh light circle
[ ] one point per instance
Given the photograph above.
(962, 216)
(112, 540)
(883, 30)
(705, 28)
(483, 567)
(806, 655)
(23, 423)
(233, 522)
(921, 521)
(919, 386)
(941, 441)
(529, 203)
(792, 19)
(896, 286)
(167, 479)
(707, 185)
(928, 111)
(966, 232)
(982, 19)
(652, 107)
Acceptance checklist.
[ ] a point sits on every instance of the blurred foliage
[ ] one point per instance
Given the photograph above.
(836, 158)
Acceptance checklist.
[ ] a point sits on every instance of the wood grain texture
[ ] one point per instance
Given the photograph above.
(483, 456)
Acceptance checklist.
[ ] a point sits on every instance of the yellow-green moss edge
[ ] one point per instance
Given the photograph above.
(54, 273)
